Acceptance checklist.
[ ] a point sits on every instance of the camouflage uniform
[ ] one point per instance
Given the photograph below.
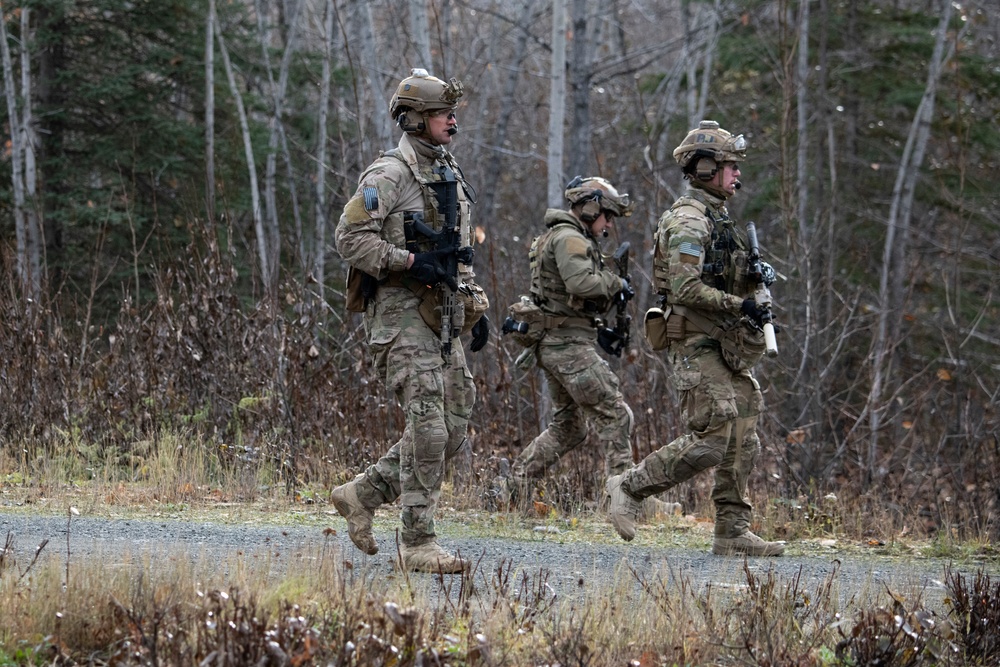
(700, 269)
(571, 285)
(436, 397)
(719, 405)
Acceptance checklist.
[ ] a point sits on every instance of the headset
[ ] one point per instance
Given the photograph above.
(407, 125)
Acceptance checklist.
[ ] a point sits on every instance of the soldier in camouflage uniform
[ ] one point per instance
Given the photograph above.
(398, 278)
(572, 286)
(712, 324)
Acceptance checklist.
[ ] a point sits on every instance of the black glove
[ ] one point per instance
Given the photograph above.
(480, 334)
(610, 341)
(466, 255)
(429, 268)
(627, 292)
(757, 314)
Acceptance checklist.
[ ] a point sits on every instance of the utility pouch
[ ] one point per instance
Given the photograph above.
(655, 328)
(470, 305)
(526, 322)
(361, 288)
(742, 347)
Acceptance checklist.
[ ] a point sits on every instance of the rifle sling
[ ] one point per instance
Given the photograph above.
(707, 327)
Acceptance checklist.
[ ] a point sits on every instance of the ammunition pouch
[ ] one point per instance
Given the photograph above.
(662, 327)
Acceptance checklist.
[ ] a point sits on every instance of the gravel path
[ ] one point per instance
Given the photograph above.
(569, 566)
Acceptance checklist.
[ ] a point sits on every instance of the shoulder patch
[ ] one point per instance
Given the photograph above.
(371, 198)
(688, 248)
(576, 245)
(354, 211)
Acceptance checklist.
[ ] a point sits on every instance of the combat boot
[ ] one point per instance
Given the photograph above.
(623, 507)
(431, 557)
(359, 518)
(748, 544)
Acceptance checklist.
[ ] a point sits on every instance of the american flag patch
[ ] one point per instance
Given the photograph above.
(371, 198)
(688, 248)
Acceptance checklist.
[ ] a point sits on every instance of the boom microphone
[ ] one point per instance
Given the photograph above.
(737, 185)
(453, 130)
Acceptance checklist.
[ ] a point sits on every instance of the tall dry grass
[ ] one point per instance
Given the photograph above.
(175, 611)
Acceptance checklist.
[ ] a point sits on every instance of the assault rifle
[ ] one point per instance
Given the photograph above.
(764, 277)
(614, 340)
(449, 238)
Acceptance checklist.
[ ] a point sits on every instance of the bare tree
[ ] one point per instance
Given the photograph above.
(893, 259)
(267, 271)
(370, 77)
(557, 104)
(421, 33)
(319, 261)
(27, 264)
(210, 19)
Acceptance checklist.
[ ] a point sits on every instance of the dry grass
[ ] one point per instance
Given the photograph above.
(179, 612)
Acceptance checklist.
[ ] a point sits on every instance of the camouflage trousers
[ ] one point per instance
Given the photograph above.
(721, 409)
(582, 387)
(436, 398)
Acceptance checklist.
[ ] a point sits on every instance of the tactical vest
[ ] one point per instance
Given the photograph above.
(725, 264)
(547, 284)
(432, 218)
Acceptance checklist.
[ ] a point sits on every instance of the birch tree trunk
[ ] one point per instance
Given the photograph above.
(370, 65)
(557, 104)
(421, 34)
(266, 270)
(804, 245)
(893, 260)
(319, 260)
(579, 151)
(29, 144)
(210, 112)
(526, 17)
(17, 159)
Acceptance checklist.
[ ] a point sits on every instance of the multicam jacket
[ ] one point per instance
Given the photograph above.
(700, 261)
(370, 235)
(568, 278)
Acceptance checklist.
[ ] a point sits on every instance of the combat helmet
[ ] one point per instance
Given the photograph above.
(710, 141)
(594, 194)
(422, 93)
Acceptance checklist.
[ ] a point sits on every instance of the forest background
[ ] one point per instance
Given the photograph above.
(173, 170)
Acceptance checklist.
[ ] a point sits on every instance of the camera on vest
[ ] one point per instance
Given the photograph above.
(510, 325)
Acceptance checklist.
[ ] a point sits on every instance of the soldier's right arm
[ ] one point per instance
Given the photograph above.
(361, 237)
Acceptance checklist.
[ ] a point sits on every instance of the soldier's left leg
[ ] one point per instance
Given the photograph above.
(416, 373)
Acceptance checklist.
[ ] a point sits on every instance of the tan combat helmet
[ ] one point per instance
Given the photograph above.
(594, 194)
(710, 141)
(422, 93)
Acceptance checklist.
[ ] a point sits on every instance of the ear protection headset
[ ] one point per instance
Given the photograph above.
(703, 156)
(407, 125)
(590, 206)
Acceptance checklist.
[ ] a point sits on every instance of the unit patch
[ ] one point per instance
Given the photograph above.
(371, 198)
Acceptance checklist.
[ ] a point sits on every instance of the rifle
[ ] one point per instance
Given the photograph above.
(614, 340)
(449, 238)
(763, 293)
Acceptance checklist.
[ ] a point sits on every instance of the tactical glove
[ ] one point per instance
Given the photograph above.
(627, 292)
(466, 255)
(480, 334)
(610, 341)
(766, 275)
(429, 268)
(757, 314)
